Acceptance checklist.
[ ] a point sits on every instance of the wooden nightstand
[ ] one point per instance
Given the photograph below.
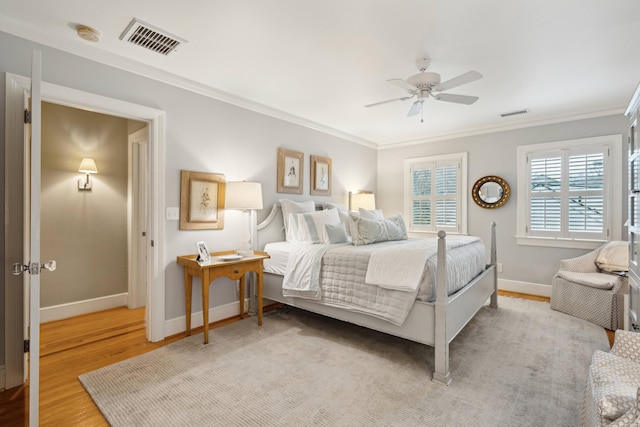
(235, 270)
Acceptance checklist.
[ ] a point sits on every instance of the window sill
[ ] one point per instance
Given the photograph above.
(559, 242)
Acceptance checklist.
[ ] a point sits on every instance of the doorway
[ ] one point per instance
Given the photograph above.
(16, 93)
(85, 220)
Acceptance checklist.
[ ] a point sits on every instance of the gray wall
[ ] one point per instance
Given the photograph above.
(495, 154)
(202, 134)
(84, 231)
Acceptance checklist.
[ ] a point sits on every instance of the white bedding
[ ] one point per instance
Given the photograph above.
(342, 280)
(402, 265)
(279, 253)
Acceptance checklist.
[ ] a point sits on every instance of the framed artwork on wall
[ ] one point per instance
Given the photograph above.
(320, 176)
(290, 171)
(201, 201)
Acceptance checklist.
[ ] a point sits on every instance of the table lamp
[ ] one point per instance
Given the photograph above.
(248, 197)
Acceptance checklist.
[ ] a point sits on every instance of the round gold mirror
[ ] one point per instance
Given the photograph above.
(491, 192)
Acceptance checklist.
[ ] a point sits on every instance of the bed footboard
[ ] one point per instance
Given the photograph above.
(453, 312)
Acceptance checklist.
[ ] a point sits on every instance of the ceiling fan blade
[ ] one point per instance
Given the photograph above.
(404, 98)
(415, 108)
(459, 99)
(462, 79)
(404, 85)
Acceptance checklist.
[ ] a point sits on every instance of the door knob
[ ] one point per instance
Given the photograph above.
(18, 269)
(33, 268)
(50, 265)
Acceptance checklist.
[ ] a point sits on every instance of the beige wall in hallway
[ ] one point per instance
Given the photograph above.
(84, 231)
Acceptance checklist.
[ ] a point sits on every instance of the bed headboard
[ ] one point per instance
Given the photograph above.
(272, 228)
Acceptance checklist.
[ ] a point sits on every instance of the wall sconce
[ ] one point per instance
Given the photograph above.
(248, 197)
(361, 199)
(87, 166)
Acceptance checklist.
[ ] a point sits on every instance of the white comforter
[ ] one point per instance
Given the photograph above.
(335, 274)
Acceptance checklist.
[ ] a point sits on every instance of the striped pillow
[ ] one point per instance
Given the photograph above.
(310, 226)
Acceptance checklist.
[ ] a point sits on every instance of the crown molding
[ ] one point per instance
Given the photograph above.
(18, 29)
(107, 58)
(495, 129)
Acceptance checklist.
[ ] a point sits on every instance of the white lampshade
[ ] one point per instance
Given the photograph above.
(243, 195)
(362, 199)
(88, 166)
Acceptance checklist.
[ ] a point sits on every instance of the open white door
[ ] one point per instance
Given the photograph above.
(32, 234)
(34, 240)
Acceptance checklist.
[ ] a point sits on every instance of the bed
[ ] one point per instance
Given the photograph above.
(434, 316)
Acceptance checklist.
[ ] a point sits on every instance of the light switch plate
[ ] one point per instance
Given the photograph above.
(173, 214)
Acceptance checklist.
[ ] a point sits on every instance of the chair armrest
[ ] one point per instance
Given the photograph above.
(622, 285)
(582, 264)
(627, 344)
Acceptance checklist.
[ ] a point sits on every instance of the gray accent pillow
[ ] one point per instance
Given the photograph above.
(367, 231)
(336, 233)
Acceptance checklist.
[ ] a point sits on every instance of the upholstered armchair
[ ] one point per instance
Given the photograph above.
(592, 286)
(611, 396)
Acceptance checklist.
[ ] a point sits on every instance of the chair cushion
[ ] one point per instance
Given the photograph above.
(615, 382)
(594, 280)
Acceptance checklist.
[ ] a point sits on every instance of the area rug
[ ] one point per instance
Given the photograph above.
(522, 364)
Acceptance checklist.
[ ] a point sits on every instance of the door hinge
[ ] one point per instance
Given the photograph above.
(152, 244)
(27, 116)
(26, 346)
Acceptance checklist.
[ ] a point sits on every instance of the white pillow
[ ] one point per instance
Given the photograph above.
(311, 225)
(289, 207)
(614, 256)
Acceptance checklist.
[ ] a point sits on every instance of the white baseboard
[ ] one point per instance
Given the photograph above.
(179, 324)
(2, 378)
(63, 311)
(525, 287)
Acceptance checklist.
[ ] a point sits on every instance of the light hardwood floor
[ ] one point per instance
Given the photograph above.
(72, 347)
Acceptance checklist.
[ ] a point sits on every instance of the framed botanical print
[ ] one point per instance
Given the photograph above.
(320, 176)
(201, 201)
(290, 171)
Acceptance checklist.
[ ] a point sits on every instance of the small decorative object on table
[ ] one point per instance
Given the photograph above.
(203, 252)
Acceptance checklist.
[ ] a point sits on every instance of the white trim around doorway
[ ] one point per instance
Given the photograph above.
(156, 232)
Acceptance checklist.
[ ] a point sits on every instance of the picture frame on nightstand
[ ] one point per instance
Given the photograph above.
(203, 252)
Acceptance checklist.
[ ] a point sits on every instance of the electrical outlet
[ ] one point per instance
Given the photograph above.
(499, 267)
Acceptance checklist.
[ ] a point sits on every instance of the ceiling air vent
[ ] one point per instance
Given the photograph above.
(514, 113)
(152, 38)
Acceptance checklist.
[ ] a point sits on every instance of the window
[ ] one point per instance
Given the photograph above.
(434, 189)
(570, 192)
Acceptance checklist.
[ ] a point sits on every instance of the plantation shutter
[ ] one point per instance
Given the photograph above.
(435, 196)
(567, 193)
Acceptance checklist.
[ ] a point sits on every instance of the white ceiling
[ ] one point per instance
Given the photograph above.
(318, 63)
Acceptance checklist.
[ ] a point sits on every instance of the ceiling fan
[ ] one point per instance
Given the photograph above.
(425, 84)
